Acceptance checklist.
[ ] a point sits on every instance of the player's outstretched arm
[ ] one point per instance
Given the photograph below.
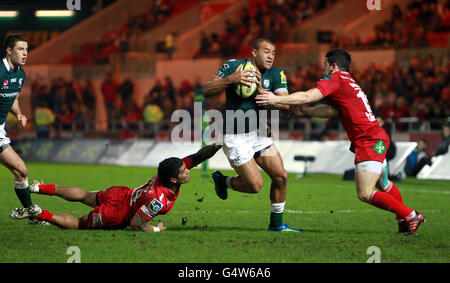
(139, 223)
(320, 111)
(296, 98)
(203, 154)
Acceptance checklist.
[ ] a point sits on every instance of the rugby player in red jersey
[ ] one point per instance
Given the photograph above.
(118, 207)
(369, 141)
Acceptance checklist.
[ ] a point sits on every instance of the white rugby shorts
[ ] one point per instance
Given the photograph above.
(4, 140)
(370, 166)
(240, 148)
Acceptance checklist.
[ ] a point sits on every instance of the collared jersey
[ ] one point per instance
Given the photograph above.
(342, 92)
(152, 198)
(273, 80)
(11, 82)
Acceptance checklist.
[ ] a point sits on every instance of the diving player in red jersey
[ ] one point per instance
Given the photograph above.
(118, 207)
(369, 141)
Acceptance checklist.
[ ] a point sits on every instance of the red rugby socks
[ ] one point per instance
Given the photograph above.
(387, 202)
(395, 192)
(47, 189)
(45, 215)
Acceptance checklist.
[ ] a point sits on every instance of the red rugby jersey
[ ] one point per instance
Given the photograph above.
(342, 92)
(152, 198)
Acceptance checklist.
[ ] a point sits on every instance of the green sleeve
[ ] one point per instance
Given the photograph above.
(228, 68)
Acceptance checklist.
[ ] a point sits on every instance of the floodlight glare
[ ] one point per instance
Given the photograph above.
(54, 13)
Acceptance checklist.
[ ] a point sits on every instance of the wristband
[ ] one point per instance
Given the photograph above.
(156, 229)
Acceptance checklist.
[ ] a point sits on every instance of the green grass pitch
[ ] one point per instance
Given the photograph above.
(205, 229)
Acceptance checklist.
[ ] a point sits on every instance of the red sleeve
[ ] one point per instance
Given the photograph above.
(151, 208)
(328, 85)
(187, 161)
(143, 211)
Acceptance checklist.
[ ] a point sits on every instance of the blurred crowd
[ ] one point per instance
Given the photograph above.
(421, 89)
(270, 21)
(416, 26)
(115, 41)
(62, 105)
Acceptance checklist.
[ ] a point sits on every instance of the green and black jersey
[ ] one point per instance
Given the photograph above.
(273, 80)
(11, 82)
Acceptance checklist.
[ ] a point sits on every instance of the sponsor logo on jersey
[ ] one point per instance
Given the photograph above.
(12, 94)
(5, 82)
(154, 207)
(283, 77)
(380, 147)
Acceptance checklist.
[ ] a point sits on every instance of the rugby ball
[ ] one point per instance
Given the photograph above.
(243, 90)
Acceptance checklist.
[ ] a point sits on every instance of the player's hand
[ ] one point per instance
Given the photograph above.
(246, 77)
(259, 89)
(161, 226)
(266, 98)
(22, 119)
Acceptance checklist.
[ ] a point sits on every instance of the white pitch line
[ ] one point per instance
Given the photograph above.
(428, 191)
(330, 211)
(321, 211)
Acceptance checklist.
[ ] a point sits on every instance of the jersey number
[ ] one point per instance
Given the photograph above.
(137, 192)
(363, 96)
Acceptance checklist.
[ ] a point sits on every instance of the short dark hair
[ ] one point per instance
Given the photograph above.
(169, 168)
(11, 40)
(257, 42)
(341, 57)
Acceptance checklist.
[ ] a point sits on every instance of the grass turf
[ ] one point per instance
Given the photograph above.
(205, 229)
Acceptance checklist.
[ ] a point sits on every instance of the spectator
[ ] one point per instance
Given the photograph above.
(445, 140)
(88, 99)
(67, 117)
(417, 159)
(204, 44)
(109, 91)
(169, 90)
(169, 44)
(43, 118)
(126, 90)
(198, 86)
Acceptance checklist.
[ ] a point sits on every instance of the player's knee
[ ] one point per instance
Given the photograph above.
(383, 186)
(21, 173)
(255, 186)
(364, 196)
(281, 179)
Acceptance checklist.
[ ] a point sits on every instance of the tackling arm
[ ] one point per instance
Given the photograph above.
(296, 98)
(203, 154)
(281, 106)
(320, 111)
(139, 223)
